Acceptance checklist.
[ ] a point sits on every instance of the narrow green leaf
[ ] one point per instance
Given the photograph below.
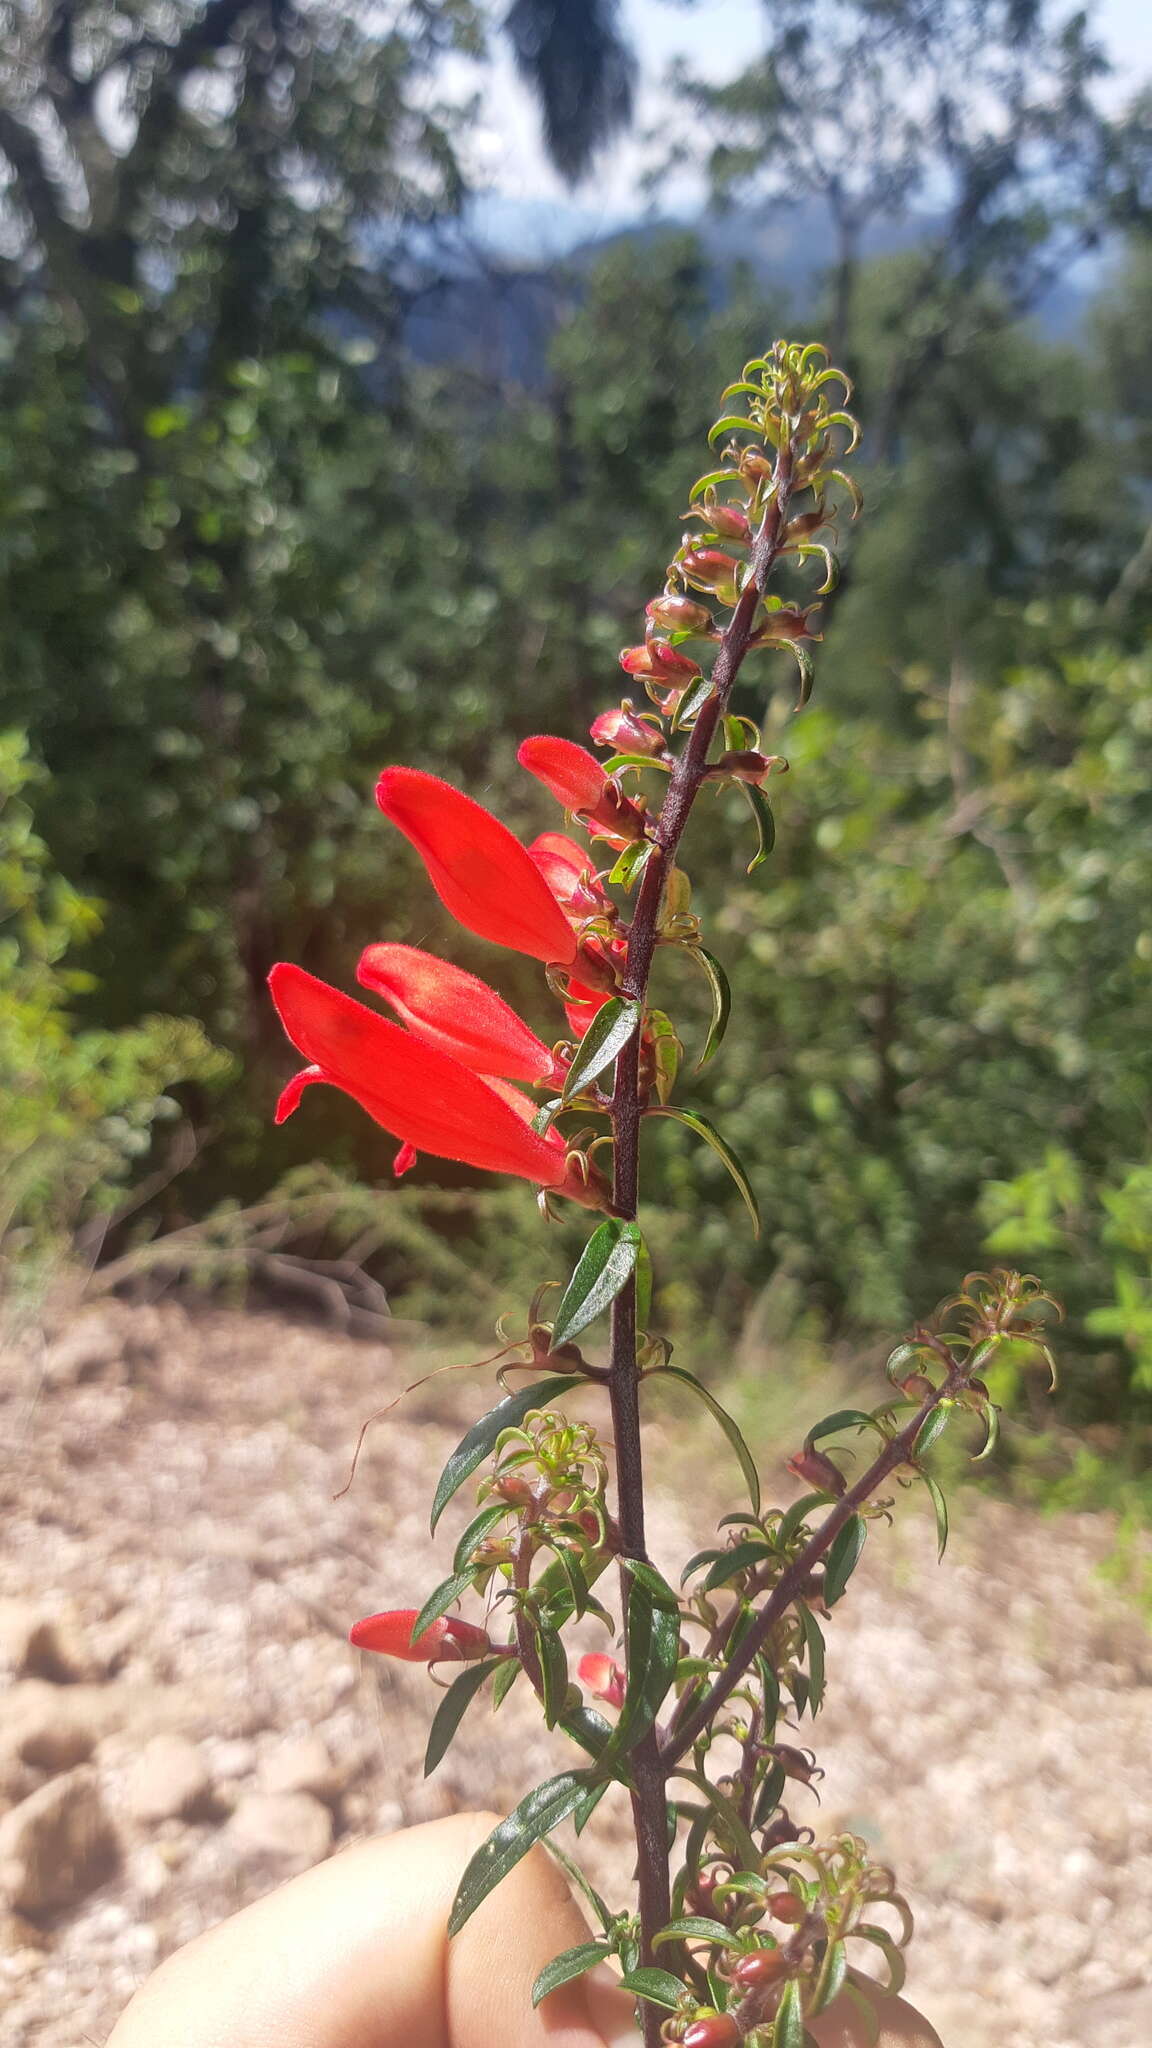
(798, 1512)
(659, 1987)
(542, 1121)
(814, 1645)
(844, 1418)
(654, 1583)
(653, 1637)
(666, 1050)
(564, 1968)
(577, 1879)
(731, 1563)
(833, 1971)
(843, 1557)
(589, 1729)
(728, 1424)
(438, 1603)
(765, 824)
(721, 1001)
(992, 1426)
(693, 1927)
(606, 1262)
(940, 1507)
(723, 1150)
(582, 1814)
(770, 1795)
(542, 1810)
(733, 423)
(477, 1529)
(933, 1426)
(504, 1680)
(788, 2030)
(608, 1033)
(453, 1707)
(553, 1673)
(695, 700)
(634, 859)
(481, 1438)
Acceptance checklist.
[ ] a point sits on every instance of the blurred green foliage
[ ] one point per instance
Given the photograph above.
(251, 548)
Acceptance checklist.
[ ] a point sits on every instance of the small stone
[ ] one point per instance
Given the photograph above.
(235, 1757)
(57, 1845)
(34, 1644)
(45, 1726)
(88, 1349)
(302, 1764)
(286, 1826)
(168, 1781)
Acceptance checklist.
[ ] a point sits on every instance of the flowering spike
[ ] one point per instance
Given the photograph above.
(456, 1011)
(480, 872)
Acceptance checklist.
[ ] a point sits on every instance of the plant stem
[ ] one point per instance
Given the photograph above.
(650, 1771)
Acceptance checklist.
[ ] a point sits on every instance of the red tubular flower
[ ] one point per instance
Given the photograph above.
(479, 871)
(445, 1641)
(576, 779)
(627, 733)
(456, 1011)
(416, 1091)
(603, 1677)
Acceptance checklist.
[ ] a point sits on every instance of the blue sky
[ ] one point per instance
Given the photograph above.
(530, 205)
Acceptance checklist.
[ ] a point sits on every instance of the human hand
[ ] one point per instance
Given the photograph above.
(355, 1954)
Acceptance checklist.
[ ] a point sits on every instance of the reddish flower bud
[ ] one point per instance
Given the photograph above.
(761, 1966)
(481, 874)
(754, 463)
(796, 1763)
(727, 520)
(625, 732)
(514, 1488)
(717, 2030)
(917, 1387)
(415, 1091)
(745, 767)
(787, 1907)
(818, 1470)
(447, 1640)
(656, 658)
(786, 623)
(712, 569)
(603, 1677)
(456, 1011)
(676, 614)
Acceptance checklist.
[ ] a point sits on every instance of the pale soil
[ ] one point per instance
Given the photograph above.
(989, 1724)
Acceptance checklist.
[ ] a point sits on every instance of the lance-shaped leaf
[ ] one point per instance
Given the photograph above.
(843, 1558)
(477, 1529)
(542, 1810)
(727, 1423)
(480, 1441)
(606, 1262)
(666, 1050)
(765, 824)
(608, 1033)
(553, 1672)
(933, 1426)
(814, 1645)
(563, 1969)
(940, 1509)
(720, 1146)
(660, 1987)
(788, 2031)
(453, 1707)
(844, 1418)
(833, 1971)
(731, 1563)
(721, 1001)
(881, 1939)
(653, 1638)
(438, 1603)
(693, 1927)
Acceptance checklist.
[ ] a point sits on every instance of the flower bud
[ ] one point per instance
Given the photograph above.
(712, 569)
(818, 1470)
(796, 1763)
(917, 1387)
(786, 623)
(717, 2030)
(625, 732)
(727, 520)
(656, 658)
(676, 614)
(746, 766)
(762, 1966)
(514, 1488)
(787, 1907)
(754, 463)
(447, 1640)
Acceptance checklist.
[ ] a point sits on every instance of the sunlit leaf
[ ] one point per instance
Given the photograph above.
(608, 1033)
(721, 1001)
(940, 1507)
(453, 1707)
(606, 1262)
(659, 1987)
(564, 1968)
(765, 824)
(723, 1150)
(542, 1810)
(788, 2031)
(480, 1441)
(438, 1603)
(727, 1423)
(843, 1558)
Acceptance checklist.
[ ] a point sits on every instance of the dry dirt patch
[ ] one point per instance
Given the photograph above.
(183, 1710)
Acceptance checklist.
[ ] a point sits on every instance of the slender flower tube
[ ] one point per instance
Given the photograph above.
(479, 871)
(447, 1640)
(414, 1090)
(458, 1012)
(576, 779)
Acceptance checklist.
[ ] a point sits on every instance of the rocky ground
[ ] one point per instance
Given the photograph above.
(184, 1725)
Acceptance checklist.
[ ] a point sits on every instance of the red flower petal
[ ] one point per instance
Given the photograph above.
(479, 871)
(573, 775)
(414, 1090)
(456, 1011)
(448, 1639)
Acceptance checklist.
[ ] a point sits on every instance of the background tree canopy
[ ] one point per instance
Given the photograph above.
(295, 480)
